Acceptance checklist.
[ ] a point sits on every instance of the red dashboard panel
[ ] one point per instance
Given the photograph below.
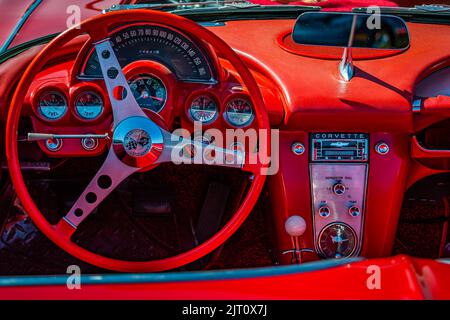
(401, 278)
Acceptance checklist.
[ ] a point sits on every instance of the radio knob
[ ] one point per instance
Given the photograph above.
(324, 212)
(354, 211)
(339, 189)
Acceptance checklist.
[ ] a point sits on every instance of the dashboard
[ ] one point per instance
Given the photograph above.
(177, 78)
(348, 151)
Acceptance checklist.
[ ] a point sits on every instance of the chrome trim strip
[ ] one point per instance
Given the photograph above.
(147, 278)
(19, 25)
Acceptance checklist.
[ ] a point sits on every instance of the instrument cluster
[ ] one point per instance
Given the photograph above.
(170, 76)
(88, 103)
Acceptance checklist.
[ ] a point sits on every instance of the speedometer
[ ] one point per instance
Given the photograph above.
(155, 43)
(239, 112)
(52, 105)
(89, 105)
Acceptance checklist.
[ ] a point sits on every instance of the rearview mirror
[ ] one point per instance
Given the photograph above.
(351, 30)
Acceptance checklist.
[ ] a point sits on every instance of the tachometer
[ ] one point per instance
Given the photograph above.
(239, 112)
(89, 105)
(149, 92)
(155, 43)
(203, 109)
(52, 105)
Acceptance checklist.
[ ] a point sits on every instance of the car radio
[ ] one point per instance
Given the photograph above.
(329, 147)
(338, 173)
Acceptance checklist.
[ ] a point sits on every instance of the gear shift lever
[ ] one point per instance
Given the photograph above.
(295, 227)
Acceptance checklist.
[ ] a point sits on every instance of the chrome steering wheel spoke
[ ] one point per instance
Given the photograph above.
(111, 174)
(123, 103)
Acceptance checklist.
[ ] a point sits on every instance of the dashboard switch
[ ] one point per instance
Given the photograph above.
(324, 212)
(382, 148)
(354, 211)
(298, 148)
(89, 144)
(53, 144)
(339, 189)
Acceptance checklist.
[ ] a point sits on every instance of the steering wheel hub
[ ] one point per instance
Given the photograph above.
(138, 141)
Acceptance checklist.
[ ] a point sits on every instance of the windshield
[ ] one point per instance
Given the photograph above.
(25, 20)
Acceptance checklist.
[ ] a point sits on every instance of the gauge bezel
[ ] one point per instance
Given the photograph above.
(150, 74)
(84, 90)
(225, 113)
(355, 247)
(46, 90)
(199, 95)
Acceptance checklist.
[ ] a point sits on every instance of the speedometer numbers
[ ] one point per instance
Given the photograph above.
(204, 109)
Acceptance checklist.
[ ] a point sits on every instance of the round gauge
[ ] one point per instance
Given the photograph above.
(239, 112)
(203, 109)
(337, 240)
(52, 105)
(149, 92)
(89, 105)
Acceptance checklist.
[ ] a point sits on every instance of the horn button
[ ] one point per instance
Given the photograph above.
(138, 142)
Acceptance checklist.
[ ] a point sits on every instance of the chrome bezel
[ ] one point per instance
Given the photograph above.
(343, 224)
(216, 115)
(57, 142)
(227, 119)
(62, 95)
(76, 108)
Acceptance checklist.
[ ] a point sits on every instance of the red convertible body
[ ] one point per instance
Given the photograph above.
(119, 180)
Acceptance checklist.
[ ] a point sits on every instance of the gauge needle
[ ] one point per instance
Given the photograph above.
(338, 239)
(145, 95)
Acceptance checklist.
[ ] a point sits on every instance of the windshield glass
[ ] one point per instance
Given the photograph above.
(25, 20)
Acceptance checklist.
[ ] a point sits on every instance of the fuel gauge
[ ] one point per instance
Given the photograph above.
(52, 105)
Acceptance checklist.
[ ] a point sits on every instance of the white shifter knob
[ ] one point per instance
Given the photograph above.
(295, 226)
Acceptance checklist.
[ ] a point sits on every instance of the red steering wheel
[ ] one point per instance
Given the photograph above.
(130, 124)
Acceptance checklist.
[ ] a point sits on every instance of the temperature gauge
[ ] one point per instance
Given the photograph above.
(89, 105)
(203, 109)
(52, 105)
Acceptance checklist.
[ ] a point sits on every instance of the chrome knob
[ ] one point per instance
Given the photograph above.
(382, 148)
(354, 211)
(89, 144)
(53, 144)
(339, 189)
(324, 212)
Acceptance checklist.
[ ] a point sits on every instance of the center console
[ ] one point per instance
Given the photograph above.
(338, 168)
